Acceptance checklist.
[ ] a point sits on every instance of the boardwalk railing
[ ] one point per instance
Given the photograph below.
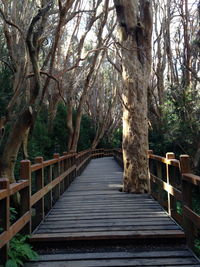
(41, 185)
(172, 184)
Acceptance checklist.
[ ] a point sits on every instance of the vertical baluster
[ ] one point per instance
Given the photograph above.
(4, 218)
(50, 180)
(69, 166)
(150, 152)
(159, 175)
(39, 176)
(187, 200)
(62, 187)
(171, 203)
(65, 167)
(25, 194)
(74, 164)
(57, 173)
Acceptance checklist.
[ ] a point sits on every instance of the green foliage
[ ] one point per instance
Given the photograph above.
(59, 132)
(178, 130)
(196, 199)
(179, 208)
(87, 133)
(20, 251)
(13, 214)
(116, 140)
(197, 247)
(45, 141)
(40, 142)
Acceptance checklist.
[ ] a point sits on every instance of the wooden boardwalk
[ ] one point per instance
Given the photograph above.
(93, 208)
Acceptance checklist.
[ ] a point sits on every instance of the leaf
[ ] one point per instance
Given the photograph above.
(20, 251)
(11, 263)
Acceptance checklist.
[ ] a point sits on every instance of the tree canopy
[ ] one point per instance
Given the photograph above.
(69, 69)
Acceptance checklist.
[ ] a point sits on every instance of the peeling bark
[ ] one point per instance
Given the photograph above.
(135, 20)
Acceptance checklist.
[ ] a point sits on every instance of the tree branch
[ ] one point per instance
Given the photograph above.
(8, 65)
(10, 22)
(50, 76)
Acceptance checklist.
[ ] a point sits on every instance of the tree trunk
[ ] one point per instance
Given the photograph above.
(15, 140)
(70, 124)
(135, 20)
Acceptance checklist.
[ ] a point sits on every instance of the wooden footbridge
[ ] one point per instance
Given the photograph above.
(77, 215)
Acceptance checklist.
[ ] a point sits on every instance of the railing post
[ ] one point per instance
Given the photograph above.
(25, 174)
(39, 181)
(65, 167)
(187, 200)
(74, 163)
(71, 175)
(57, 173)
(159, 174)
(171, 203)
(4, 218)
(50, 178)
(149, 152)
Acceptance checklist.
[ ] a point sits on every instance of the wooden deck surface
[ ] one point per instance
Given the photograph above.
(153, 258)
(93, 208)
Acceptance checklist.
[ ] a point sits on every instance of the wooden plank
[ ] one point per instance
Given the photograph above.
(167, 187)
(174, 234)
(4, 193)
(47, 163)
(102, 216)
(82, 163)
(124, 262)
(37, 196)
(94, 209)
(16, 187)
(6, 236)
(191, 178)
(112, 229)
(173, 162)
(117, 255)
(151, 257)
(112, 221)
(192, 216)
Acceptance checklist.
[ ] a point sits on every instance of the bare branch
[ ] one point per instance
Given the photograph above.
(8, 65)
(10, 22)
(51, 77)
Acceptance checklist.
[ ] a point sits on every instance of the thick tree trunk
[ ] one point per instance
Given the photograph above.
(135, 20)
(135, 133)
(15, 140)
(77, 127)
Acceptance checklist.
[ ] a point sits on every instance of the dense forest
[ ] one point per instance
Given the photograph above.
(61, 77)
(78, 74)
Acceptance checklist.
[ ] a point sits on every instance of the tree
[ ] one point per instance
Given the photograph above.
(135, 23)
(103, 103)
(24, 44)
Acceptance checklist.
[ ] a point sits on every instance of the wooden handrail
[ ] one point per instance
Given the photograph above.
(189, 219)
(163, 174)
(191, 178)
(52, 178)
